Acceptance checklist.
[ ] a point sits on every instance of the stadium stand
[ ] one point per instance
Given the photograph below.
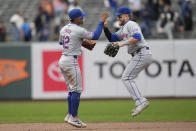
(91, 7)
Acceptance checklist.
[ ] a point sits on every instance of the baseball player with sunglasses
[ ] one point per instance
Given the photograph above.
(130, 35)
(72, 37)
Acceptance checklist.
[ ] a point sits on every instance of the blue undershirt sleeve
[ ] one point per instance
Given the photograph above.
(137, 36)
(114, 37)
(98, 31)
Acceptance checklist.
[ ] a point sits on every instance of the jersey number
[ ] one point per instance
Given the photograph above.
(66, 42)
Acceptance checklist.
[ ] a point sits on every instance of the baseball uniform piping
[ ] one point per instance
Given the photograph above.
(130, 75)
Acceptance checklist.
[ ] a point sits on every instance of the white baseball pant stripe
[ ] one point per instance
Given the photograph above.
(139, 62)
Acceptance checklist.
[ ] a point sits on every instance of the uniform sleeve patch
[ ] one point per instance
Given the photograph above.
(89, 33)
(135, 30)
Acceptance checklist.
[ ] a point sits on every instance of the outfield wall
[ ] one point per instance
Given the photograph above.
(172, 73)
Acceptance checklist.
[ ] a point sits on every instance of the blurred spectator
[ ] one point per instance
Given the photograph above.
(136, 6)
(113, 6)
(167, 2)
(71, 2)
(74, 6)
(45, 33)
(42, 25)
(154, 5)
(26, 30)
(48, 9)
(178, 24)
(106, 3)
(146, 19)
(186, 13)
(164, 5)
(16, 20)
(33, 30)
(48, 14)
(39, 22)
(60, 7)
(2, 32)
(165, 24)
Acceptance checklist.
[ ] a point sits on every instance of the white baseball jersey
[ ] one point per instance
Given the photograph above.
(139, 61)
(127, 31)
(71, 36)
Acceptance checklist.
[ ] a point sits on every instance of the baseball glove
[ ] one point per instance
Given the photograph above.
(111, 49)
(89, 44)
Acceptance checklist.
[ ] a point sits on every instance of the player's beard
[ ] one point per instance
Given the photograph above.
(121, 22)
(82, 22)
(79, 21)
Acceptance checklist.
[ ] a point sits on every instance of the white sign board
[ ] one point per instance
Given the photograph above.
(172, 73)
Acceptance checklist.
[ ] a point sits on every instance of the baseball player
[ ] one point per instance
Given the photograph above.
(130, 35)
(71, 38)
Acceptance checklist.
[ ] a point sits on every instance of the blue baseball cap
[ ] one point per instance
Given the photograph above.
(123, 10)
(76, 13)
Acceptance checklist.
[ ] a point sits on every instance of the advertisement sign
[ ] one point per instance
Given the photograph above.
(15, 72)
(48, 81)
(12, 70)
(53, 79)
(172, 73)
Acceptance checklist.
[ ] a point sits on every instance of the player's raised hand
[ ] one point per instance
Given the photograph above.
(105, 23)
(104, 16)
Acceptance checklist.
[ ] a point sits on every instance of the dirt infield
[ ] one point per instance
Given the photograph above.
(127, 126)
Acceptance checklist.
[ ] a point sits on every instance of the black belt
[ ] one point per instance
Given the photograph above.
(138, 50)
(75, 56)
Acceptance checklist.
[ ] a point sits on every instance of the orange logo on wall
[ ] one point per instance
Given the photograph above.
(12, 70)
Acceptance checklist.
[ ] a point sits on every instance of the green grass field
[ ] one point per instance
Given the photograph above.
(98, 111)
